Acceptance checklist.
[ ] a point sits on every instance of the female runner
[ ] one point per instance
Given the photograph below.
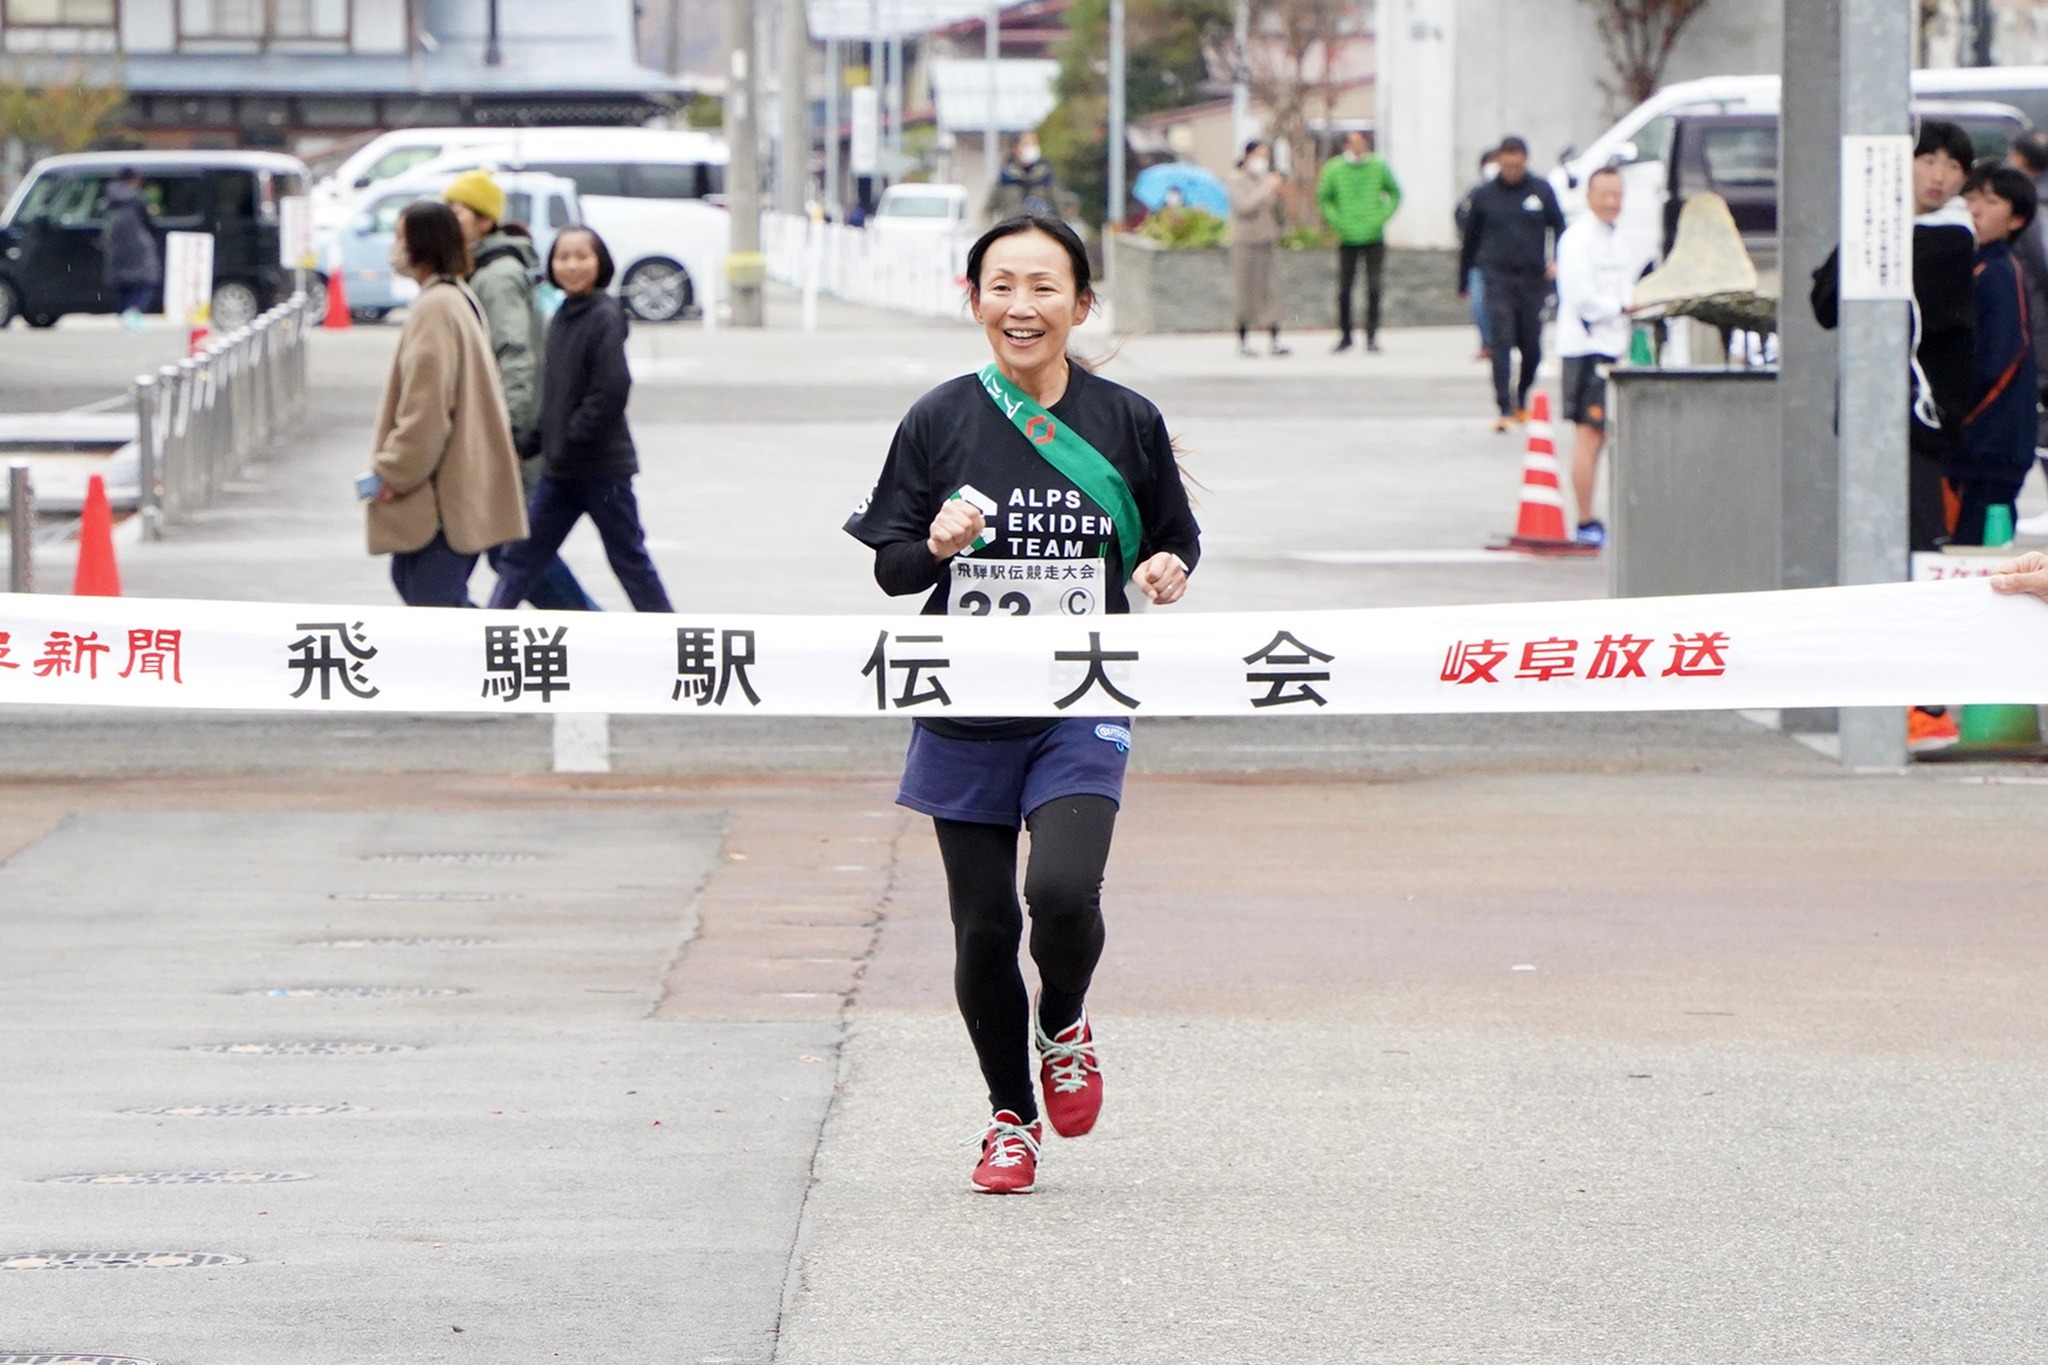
(1093, 488)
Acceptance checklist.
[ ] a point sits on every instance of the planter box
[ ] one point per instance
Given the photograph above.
(1155, 289)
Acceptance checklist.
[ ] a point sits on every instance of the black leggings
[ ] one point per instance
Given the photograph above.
(1063, 886)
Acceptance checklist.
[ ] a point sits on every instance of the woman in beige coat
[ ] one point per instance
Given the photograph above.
(1256, 207)
(447, 472)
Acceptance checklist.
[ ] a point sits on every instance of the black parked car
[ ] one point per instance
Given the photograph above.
(50, 261)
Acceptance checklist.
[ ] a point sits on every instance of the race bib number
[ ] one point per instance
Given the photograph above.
(1027, 587)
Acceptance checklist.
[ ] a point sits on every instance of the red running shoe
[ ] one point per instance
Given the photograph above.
(1009, 1155)
(1069, 1076)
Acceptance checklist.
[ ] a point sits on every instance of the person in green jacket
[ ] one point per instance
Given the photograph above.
(1357, 193)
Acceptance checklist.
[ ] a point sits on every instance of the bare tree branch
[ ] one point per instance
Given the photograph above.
(1639, 36)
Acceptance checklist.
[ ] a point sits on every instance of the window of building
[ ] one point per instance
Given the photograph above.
(309, 19)
(66, 13)
(263, 21)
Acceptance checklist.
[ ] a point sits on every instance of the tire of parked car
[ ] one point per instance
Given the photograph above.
(657, 290)
(235, 304)
(10, 303)
(316, 294)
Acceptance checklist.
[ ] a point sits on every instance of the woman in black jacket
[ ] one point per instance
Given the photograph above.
(588, 460)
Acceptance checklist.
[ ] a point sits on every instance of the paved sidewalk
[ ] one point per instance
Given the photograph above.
(1558, 1069)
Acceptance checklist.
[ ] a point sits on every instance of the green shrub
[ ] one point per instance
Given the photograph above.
(1308, 236)
(1185, 229)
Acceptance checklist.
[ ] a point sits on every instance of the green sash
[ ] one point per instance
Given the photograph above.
(1065, 450)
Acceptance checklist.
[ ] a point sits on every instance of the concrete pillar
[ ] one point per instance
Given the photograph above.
(1809, 221)
(1876, 66)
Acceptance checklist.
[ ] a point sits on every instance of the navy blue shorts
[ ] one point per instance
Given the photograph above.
(1000, 781)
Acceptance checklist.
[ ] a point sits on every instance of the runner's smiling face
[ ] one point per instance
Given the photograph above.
(1027, 303)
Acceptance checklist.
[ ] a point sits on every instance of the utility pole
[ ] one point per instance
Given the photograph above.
(494, 55)
(895, 166)
(1241, 79)
(793, 159)
(1876, 209)
(1117, 60)
(745, 270)
(993, 51)
(1809, 224)
(834, 81)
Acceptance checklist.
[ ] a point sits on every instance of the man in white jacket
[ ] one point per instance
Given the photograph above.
(1597, 271)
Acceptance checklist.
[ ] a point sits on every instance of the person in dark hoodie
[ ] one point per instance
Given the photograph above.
(1944, 321)
(501, 276)
(2029, 155)
(1998, 428)
(587, 456)
(132, 266)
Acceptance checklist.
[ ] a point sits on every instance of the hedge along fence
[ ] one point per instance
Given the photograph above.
(1158, 288)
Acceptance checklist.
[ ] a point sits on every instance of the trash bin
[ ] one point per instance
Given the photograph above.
(1694, 481)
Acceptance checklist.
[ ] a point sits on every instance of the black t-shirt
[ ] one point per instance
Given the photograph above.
(1049, 548)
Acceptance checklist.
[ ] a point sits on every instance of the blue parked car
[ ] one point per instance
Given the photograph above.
(544, 203)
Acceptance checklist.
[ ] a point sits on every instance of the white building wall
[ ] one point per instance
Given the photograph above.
(380, 26)
(148, 26)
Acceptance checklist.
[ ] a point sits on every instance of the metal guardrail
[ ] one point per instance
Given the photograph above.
(198, 422)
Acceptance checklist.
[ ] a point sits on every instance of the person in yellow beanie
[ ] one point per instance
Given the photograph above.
(502, 276)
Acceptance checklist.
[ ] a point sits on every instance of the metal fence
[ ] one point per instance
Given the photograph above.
(883, 268)
(198, 422)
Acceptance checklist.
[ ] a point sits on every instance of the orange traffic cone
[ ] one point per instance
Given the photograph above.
(98, 575)
(337, 315)
(1539, 529)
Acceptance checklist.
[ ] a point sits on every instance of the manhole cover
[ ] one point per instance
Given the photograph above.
(116, 1260)
(422, 896)
(67, 1358)
(454, 859)
(180, 1178)
(355, 992)
(317, 1048)
(245, 1111)
(400, 943)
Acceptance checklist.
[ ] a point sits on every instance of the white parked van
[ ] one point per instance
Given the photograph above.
(386, 158)
(1640, 142)
(657, 197)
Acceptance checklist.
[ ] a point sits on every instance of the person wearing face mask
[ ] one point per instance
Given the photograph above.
(1025, 184)
(447, 473)
(1357, 193)
(1257, 205)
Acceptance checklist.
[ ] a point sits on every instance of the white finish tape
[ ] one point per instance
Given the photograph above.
(1896, 644)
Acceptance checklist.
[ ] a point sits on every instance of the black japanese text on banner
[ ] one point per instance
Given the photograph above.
(1891, 645)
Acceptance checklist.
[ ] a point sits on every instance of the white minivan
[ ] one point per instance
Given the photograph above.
(656, 196)
(1639, 143)
(386, 158)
